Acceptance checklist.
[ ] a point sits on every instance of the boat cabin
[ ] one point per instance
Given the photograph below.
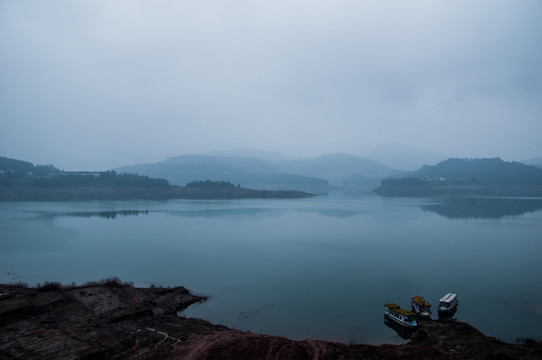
(420, 306)
(400, 316)
(448, 302)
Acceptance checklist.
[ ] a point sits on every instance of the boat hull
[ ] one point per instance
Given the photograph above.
(403, 331)
(448, 309)
(447, 315)
(409, 325)
(423, 315)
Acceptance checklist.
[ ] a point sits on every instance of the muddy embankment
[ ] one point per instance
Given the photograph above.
(110, 320)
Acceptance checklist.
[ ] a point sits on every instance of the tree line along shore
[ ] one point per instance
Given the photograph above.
(21, 180)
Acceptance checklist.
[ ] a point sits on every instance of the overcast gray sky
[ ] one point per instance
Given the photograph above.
(98, 84)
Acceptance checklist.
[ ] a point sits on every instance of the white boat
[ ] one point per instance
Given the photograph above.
(421, 307)
(448, 303)
(402, 317)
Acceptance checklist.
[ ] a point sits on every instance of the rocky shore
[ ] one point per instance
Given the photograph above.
(111, 320)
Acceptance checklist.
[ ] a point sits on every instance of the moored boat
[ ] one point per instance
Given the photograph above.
(400, 316)
(421, 307)
(448, 303)
(403, 331)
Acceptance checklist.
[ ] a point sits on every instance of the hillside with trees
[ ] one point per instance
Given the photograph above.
(22, 173)
(489, 176)
(21, 180)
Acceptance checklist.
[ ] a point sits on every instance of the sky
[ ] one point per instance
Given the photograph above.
(98, 84)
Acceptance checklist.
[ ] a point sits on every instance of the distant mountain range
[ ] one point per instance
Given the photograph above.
(404, 157)
(467, 176)
(308, 174)
(537, 161)
(274, 171)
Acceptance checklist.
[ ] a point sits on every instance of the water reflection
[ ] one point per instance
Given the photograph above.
(106, 214)
(255, 213)
(296, 255)
(242, 213)
(484, 208)
(447, 316)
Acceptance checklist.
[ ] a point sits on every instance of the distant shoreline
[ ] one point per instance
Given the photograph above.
(69, 193)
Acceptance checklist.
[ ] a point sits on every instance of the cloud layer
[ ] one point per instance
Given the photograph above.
(99, 84)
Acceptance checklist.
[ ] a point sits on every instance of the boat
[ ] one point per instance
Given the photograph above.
(402, 317)
(403, 331)
(421, 307)
(448, 303)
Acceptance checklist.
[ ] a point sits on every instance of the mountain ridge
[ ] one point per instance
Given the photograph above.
(318, 174)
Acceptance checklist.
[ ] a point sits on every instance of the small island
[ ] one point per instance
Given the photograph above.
(111, 319)
(22, 181)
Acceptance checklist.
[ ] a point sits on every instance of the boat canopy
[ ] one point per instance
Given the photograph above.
(392, 306)
(396, 308)
(448, 298)
(420, 301)
(404, 312)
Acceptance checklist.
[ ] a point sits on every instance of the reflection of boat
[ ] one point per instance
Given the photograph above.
(421, 307)
(448, 303)
(404, 332)
(400, 316)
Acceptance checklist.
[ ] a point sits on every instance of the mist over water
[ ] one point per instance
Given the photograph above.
(319, 268)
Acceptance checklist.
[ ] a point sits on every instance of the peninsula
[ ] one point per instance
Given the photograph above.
(20, 180)
(110, 319)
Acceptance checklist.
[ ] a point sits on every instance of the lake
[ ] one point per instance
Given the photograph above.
(319, 267)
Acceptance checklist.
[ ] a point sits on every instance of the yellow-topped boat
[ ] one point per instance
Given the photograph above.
(402, 317)
(421, 307)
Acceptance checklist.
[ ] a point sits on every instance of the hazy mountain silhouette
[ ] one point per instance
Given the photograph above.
(537, 161)
(248, 172)
(404, 157)
(308, 174)
(336, 168)
(250, 153)
(245, 164)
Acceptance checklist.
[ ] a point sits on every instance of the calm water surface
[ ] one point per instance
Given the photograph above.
(319, 268)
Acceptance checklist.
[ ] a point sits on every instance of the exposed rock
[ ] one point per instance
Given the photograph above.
(114, 321)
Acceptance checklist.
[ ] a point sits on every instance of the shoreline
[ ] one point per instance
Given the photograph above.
(69, 193)
(112, 319)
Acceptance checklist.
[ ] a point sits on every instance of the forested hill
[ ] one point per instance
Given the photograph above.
(490, 176)
(18, 169)
(22, 173)
(21, 180)
(489, 171)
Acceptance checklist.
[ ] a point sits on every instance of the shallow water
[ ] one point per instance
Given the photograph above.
(321, 267)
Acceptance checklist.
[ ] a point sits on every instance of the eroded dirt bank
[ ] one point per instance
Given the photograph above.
(113, 321)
